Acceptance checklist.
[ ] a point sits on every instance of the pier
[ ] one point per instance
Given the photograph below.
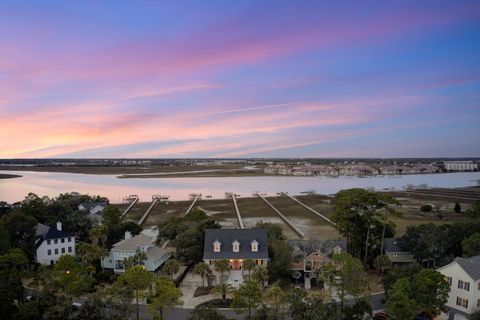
(134, 199)
(195, 197)
(308, 208)
(288, 222)
(155, 199)
(237, 211)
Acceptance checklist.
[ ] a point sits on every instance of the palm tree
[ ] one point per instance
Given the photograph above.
(203, 270)
(171, 267)
(386, 202)
(98, 235)
(249, 265)
(261, 276)
(224, 289)
(222, 266)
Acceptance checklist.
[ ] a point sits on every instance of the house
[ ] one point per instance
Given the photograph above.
(51, 243)
(309, 257)
(93, 207)
(392, 249)
(235, 245)
(463, 276)
(129, 247)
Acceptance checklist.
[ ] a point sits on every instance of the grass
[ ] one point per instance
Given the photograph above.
(253, 210)
(226, 170)
(9, 176)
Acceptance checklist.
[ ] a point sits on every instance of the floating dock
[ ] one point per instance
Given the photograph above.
(308, 208)
(288, 222)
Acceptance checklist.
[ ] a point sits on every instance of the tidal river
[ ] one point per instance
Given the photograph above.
(52, 184)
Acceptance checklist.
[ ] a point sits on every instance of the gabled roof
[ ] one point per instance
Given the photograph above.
(44, 232)
(392, 245)
(90, 205)
(243, 236)
(470, 265)
(132, 244)
(306, 247)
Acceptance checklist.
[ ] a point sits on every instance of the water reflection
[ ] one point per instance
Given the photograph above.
(51, 184)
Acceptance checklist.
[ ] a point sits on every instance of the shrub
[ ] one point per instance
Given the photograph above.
(426, 208)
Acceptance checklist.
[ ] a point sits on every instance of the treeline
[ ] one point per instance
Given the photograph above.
(51, 289)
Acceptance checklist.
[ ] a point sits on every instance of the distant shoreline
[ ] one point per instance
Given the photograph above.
(9, 176)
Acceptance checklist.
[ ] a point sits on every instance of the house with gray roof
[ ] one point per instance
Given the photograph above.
(131, 246)
(51, 243)
(235, 245)
(310, 255)
(394, 252)
(93, 207)
(463, 276)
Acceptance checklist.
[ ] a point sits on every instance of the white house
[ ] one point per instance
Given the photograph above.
(129, 247)
(51, 243)
(463, 276)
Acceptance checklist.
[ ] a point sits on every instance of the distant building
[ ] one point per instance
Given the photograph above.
(463, 276)
(51, 243)
(95, 209)
(235, 245)
(129, 247)
(466, 165)
(393, 251)
(310, 255)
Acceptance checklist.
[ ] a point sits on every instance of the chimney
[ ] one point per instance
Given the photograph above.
(59, 226)
(128, 235)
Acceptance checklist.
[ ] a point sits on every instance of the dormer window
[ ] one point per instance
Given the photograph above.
(254, 245)
(337, 250)
(216, 246)
(236, 246)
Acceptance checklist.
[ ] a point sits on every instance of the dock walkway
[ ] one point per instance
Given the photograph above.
(239, 217)
(308, 208)
(287, 221)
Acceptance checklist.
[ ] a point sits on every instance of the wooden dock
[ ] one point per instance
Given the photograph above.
(308, 208)
(287, 221)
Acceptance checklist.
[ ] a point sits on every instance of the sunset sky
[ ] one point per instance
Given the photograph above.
(239, 79)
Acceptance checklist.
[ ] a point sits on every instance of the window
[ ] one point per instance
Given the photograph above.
(63, 250)
(56, 251)
(55, 241)
(62, 240)
(48, 241)
(216, 246)
(70, 250)
(464, 285)
(337, 250)
(236, 246)
(69, 239)
(49, 252)
(449, 280)
(254, 246)
(462, 302)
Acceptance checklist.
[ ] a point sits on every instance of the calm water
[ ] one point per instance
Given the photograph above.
(51, 184)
